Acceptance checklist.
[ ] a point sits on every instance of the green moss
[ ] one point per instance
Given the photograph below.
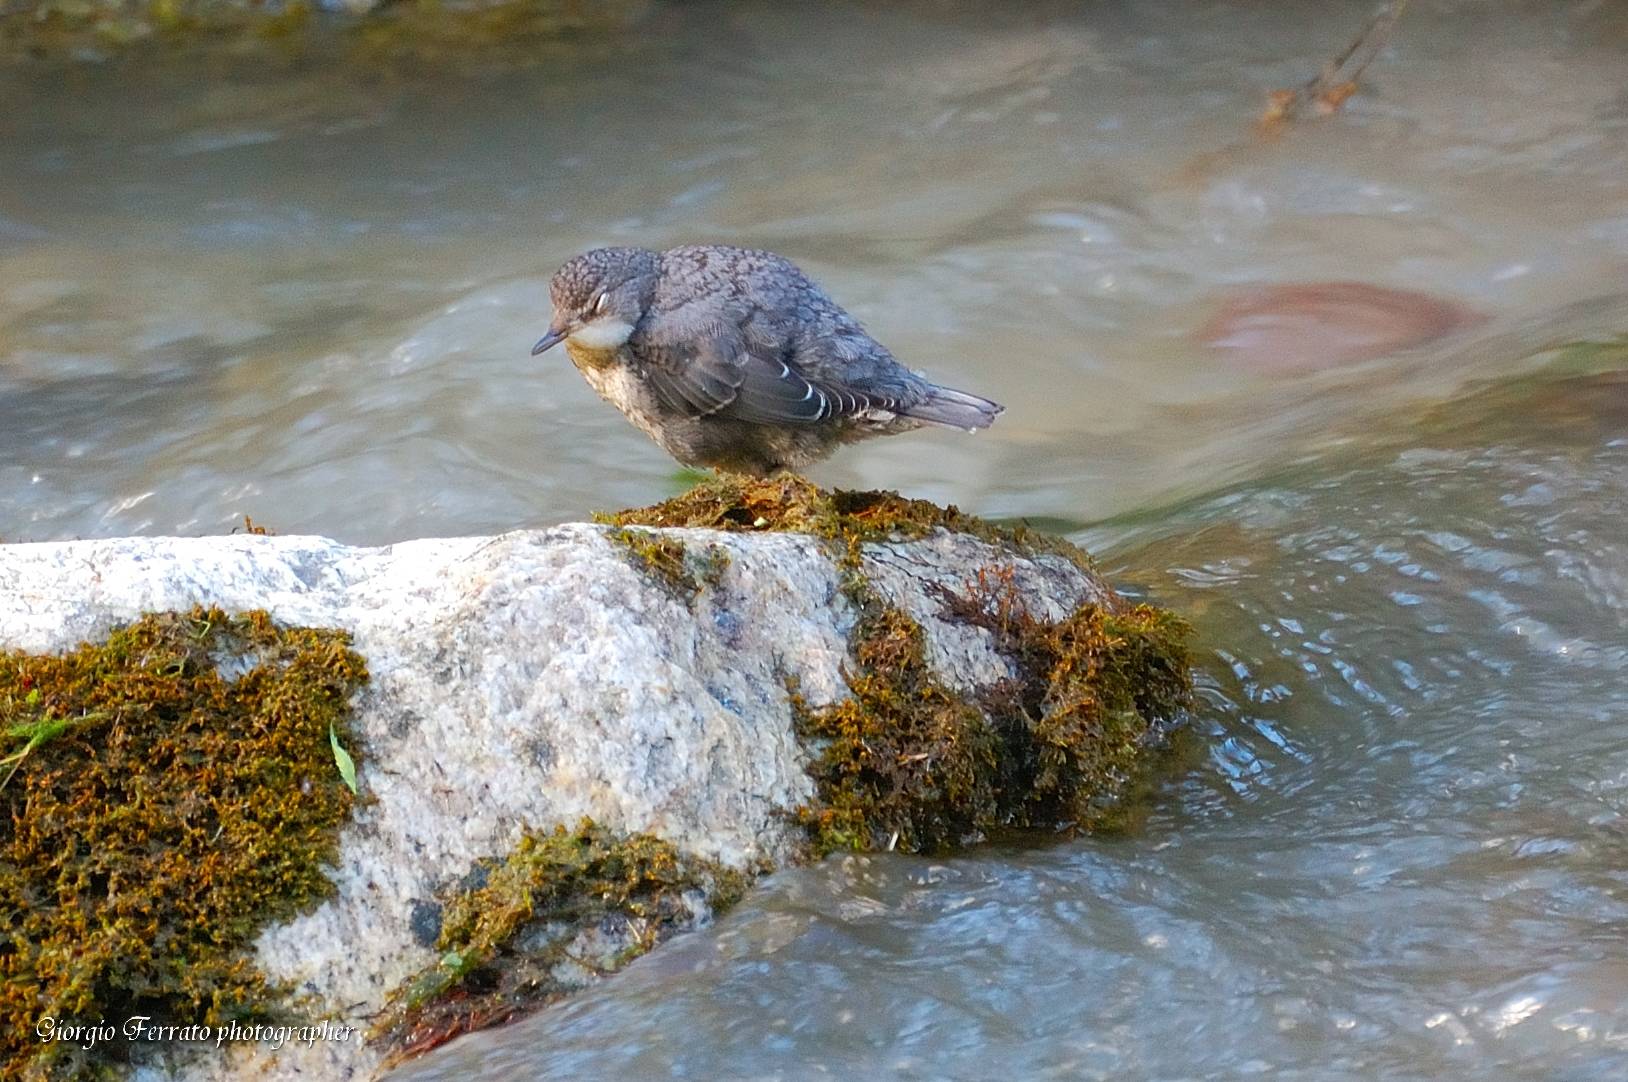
(670, 561)
(159, 815)
(1581, 392)
(789, 504)
(388, 36)
(1091, 690)
(426, 31)
(504, 939)
(908, 764)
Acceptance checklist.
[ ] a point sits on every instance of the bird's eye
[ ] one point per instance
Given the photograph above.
(599, 304)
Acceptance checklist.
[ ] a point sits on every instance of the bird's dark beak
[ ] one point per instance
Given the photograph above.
(548, 341)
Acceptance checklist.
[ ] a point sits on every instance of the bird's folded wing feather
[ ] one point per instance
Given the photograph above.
(720, 375)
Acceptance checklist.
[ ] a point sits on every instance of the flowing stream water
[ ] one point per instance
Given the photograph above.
(301, 281)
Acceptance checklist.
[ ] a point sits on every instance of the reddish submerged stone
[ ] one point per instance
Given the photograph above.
(1316, 325)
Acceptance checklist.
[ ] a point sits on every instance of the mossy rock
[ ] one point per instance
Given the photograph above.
(167, 794)
(907, 762)
(141, 760)
(514, 925)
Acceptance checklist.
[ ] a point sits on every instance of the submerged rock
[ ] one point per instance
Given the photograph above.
(1308, 326)
(671, 696)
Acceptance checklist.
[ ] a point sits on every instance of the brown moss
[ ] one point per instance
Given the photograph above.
(159, 815)
(670, 561)
(789, 504)
(904, 763)
(505, 939)
(908, 764)
(1091, 690)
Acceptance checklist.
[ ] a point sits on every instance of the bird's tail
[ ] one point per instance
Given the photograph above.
(956, 409)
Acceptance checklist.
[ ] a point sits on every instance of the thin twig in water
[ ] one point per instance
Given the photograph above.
(1327, 91)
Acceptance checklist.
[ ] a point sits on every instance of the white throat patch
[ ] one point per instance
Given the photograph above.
(603, 334)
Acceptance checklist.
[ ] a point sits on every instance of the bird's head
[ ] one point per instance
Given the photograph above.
(599, 296)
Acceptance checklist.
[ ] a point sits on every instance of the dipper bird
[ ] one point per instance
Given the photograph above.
(733, 358)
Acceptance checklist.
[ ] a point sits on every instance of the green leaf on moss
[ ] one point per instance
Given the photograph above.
(342, 759)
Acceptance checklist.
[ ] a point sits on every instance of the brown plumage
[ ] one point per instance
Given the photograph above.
(733, 358)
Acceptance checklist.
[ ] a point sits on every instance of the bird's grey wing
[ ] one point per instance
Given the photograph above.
(718, 373)
(694, 380)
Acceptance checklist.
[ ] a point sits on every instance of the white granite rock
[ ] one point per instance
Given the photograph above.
(523, 681)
